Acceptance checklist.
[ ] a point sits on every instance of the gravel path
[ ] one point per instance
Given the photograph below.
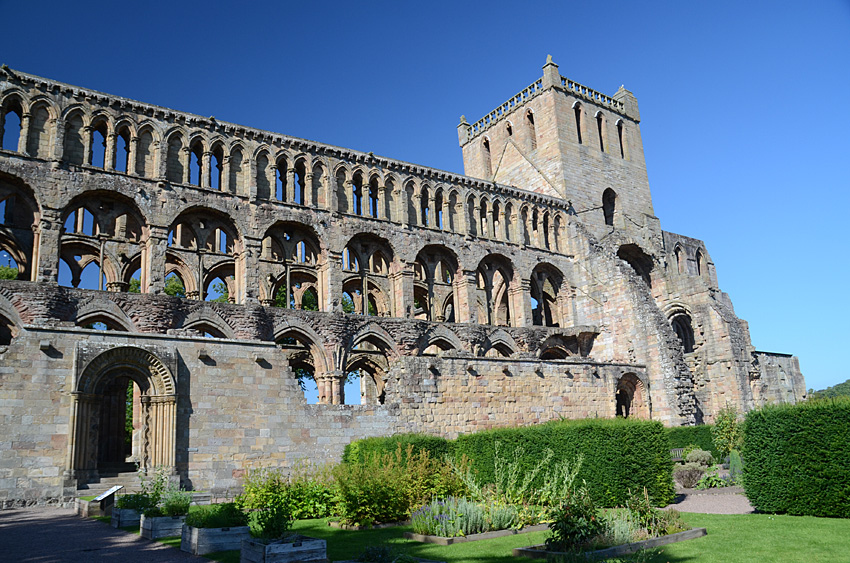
(727, 500)
(48, 535)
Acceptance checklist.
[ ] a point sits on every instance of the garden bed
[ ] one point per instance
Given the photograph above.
(539, 551)
(161, 526)
(298, 548)
(440, 540)
(200, 541)
(354, 527)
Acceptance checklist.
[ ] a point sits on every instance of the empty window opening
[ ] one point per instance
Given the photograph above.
(196, 161)
(280, 181)
(577, 111)
(216, 162)
(599, 126)
(300, 183)
(217, 291)
(98, 146)
(352, 390)
(122, 152)
(174, 286)
(85, 274)
(609, 205)
(135, 283)
(681, 324)
(81, 222)
(423, 208)
(701, 267)
(639, 260)
(357, 195)
(11, 129)
(373, 199)
(620, 138)
(510, 130)
(8, 266)
(532, 130)
(487, 160)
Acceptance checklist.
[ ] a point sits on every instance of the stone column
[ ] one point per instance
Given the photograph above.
(476, 212)
(289, 189)
(25, 134)
(337, 387)
(330, 283)
(224, 182)
(87, 141)
(308, 189)
(432, 211)
(186, 157)
(402, 299)
(49, 238)
(401, 202)
(502, 225)
(382, 202)
(466, 309)
(417, 209)
(109, 157)
(153, 260)
(132, 155)
(519, 298)
(206, 160)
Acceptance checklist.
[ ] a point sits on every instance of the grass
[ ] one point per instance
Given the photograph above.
(731, 539)
(740, 538)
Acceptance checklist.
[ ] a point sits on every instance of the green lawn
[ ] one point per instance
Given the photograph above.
(731, 539)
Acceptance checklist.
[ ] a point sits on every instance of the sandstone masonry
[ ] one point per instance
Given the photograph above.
(538, 286)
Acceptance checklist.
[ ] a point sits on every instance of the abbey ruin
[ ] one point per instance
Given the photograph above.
(539, 285)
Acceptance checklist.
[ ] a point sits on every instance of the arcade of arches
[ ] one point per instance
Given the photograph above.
(174, 288)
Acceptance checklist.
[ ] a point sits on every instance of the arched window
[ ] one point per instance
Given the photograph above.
(701, 266)
(532, 131)
(280, 180)
(609, 204)
(97, 157)
(509, 129)
(357, 194)
(487, 160)
(122, 151)
(681, 324)
(11, 126)
(196, 163)
(174, 164)
(216, 168)
(300, 183)
(145, 154)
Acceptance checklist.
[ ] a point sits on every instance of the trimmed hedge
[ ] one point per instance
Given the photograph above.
(357, 452)
(797, 458)
(619, 455)
(684, 436)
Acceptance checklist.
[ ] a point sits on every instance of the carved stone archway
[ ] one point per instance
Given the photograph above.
(631, 398)
(91, 395)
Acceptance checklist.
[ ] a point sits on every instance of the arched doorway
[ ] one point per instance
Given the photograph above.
(631, 398)
(99, 410)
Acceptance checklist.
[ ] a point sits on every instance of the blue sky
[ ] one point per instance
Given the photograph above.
(743, 107)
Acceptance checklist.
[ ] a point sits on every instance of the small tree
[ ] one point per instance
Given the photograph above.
(727, 433)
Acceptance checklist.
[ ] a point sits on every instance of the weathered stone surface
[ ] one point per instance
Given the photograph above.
(539, 286)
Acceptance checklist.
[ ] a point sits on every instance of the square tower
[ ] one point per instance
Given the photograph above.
(565, 140)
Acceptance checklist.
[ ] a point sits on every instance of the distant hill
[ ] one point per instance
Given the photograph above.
(840, 390)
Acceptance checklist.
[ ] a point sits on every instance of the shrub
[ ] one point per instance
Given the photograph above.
(226, 515)
(136, 501)
(176, 502)
(388, 487)
(736, 467)
(359, 450)
(688, 449)
(727, 431)
(700, 457)
(797, 458)
(688, 436)
(712, 480)
(266, 496)
(617, 455)
(312, 491)
(688, 474)
(653, 522)
(574, 522)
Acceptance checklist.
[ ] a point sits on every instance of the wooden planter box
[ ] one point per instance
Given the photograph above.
(87, 508)
(161, 526)
(301, 548)
(123, 517)
(539, 551)
(199, 541)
